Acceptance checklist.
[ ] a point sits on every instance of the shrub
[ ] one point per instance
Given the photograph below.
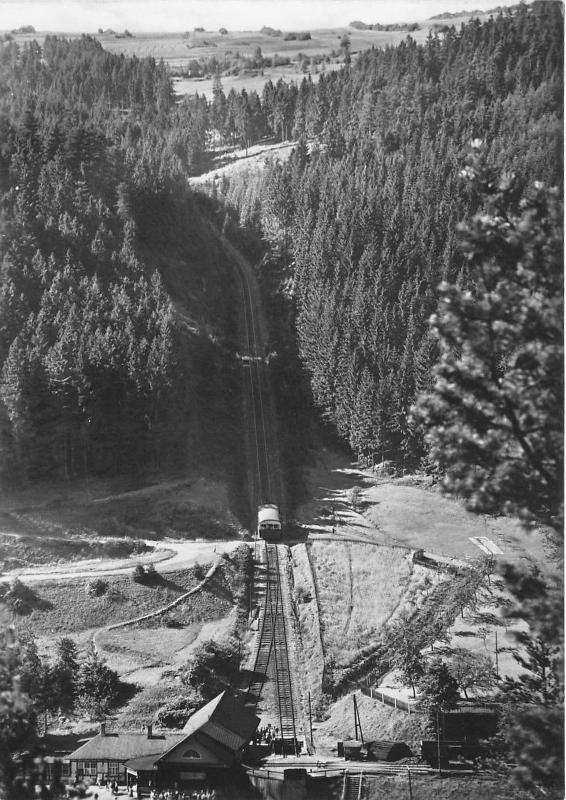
(96, 587)
(213, 668)
(152, 575)
(138, 574)
(292, 36)
(176, 712)
(199, 571)
(18, 597)
(354, 496)
(302, 593)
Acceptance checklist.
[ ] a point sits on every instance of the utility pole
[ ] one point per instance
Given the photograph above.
(310, 719)
(357, 721)
(438, 740)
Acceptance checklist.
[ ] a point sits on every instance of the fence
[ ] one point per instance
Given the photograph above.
(387, 700)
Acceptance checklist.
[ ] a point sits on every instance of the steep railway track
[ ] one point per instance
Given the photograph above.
(272, 661)
(264, 473)
(272, 680)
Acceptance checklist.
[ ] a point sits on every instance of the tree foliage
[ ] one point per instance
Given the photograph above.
(473, 671)
(372, 206)
(438, 688)
(96, 374)
(532, 724)
(212, 669)
(17, 718)
(494, 416)
(98, 686)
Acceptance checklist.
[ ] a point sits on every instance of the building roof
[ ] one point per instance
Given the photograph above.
(144, 764)
(225, 723)
(124, 746)
(226, 720)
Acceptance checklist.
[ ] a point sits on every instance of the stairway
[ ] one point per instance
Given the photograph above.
(353, 786)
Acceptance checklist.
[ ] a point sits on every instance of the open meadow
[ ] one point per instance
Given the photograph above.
(359, 587)
(178, 49)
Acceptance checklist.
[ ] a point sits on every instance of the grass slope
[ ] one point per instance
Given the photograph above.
(378, 722)
(359, 587)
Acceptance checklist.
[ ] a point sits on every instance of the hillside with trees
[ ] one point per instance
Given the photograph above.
(100, 237)
(366, 217)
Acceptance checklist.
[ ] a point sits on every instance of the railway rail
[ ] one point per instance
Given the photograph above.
(266, 484)
(272, 658)
(273, 664)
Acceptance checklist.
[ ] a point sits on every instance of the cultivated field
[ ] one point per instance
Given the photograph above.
(179, 49)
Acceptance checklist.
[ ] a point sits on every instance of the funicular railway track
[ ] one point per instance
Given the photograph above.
(272, 675)
(264, 473)
(272, 659)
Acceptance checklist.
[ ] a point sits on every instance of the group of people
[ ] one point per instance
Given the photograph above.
(266, 734)
(197, 794)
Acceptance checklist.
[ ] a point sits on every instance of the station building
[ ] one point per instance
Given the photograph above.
(211, 743)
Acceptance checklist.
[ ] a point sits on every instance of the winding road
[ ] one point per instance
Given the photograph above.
(170, 554)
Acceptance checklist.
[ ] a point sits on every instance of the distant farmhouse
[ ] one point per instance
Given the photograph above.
(212, 741)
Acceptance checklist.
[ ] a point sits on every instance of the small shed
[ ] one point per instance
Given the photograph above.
(352, 750)
(383, 750)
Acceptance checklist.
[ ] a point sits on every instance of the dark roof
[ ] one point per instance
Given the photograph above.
(124, 746)
(145, 763)
(225, 720)
(384, 750)
(228, 712)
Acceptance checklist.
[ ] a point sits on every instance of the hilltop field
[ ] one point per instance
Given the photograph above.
(291, 59)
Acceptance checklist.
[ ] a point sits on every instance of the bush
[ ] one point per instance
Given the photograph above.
(213, 668)
(302, 593)
(18, 597)
(96, 587)
(139, 573)
(176, 712)
(152, 575)
(199, 571)
(292, 36)
(354, 497)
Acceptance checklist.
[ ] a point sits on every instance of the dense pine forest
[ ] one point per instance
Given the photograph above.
(367, 218)
(101, 236)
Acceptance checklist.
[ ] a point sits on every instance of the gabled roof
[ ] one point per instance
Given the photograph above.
(123, 746)
(225, 721)
(227, 712)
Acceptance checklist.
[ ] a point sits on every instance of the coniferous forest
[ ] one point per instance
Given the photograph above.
(99, 376)
(101, 234)
(408, 251)
(369, 216)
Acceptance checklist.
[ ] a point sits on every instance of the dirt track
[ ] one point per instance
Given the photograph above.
(169, 554)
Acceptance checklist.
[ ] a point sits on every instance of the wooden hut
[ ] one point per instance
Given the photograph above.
(383, 750)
